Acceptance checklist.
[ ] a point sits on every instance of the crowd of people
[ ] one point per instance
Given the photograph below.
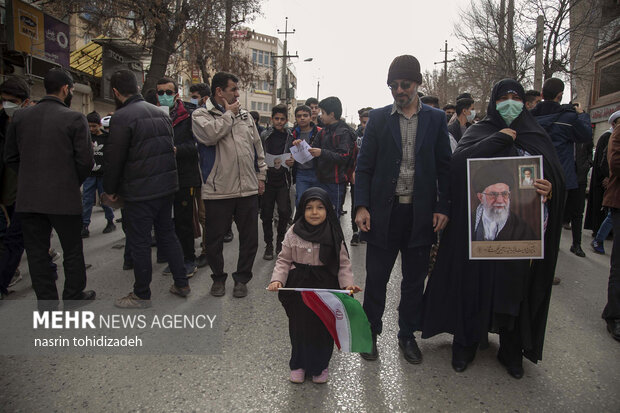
(179, 170)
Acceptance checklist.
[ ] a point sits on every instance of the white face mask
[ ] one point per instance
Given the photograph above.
(9, 108)
(471, 116)
(194, 101)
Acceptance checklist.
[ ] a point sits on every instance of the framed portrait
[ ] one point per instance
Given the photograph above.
(528, 174)
(277, 161)
(506, 214)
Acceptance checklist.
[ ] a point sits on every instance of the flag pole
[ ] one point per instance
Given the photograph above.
(350, 292)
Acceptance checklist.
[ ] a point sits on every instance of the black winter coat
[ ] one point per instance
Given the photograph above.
(50, 148)
(336, 142)
(187, 152)
(139, 161)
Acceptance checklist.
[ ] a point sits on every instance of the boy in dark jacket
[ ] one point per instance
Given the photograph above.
(332, 150)
(94, 183)
(277, 185)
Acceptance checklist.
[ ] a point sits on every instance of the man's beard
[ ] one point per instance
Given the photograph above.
(117, 102)
(408, 101)
(68, 99)
(497, 214)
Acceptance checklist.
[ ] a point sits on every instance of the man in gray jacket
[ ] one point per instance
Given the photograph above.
(233, 176)
(49, 146)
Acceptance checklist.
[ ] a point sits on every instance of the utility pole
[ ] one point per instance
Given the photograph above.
(445, 62)
(284, 91)
(318, 85)
(538, 59)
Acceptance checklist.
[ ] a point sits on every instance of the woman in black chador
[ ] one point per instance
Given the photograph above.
(469, 298)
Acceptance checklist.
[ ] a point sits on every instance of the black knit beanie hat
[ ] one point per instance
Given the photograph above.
(405, 67)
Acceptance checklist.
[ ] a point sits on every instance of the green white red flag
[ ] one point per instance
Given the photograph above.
(343, 317)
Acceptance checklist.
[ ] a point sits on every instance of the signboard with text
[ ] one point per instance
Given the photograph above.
(37, 34)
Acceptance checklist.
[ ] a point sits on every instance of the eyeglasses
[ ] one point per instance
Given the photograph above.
(167, 92)
(495, 195)
(406, 84)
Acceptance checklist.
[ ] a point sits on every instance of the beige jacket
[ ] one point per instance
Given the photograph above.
(235, 136)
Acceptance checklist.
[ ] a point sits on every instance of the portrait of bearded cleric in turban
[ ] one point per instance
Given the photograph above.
(502, 209)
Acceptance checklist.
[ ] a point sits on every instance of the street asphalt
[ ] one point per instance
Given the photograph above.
(580, 370)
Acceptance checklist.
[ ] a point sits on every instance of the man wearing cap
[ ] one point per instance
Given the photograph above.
(94, 183)
(401, 199)
(567, 125)
(49, 146)
(493, 220)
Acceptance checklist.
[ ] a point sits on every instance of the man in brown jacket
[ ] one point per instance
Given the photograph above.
(611, 313)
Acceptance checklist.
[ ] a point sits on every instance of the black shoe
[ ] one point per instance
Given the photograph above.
(201, 261)
(240, 290)
(410, 349)
(514, 371)
(459, 365)
(85, 232)
(229, 236)
(613, 326)
(84, 298)
(127, 266)
(355, 239)
(109, 228)
(268, 255)
(576, 249)
(218, 288)
(374, 353)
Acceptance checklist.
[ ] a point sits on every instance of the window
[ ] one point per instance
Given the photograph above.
(261, 57)
(609, 79)
(253, 105)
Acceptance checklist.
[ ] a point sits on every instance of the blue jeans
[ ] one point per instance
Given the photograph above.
(605, 228)
(336, 194)
(92, 184)
(305, 179)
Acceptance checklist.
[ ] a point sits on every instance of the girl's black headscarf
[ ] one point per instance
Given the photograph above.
(328, 234)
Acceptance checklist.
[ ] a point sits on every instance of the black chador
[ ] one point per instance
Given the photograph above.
(469, 298)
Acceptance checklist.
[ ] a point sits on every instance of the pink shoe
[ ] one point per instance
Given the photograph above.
(320, 379)
(298, 376)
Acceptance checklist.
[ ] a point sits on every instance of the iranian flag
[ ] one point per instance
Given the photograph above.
(343, 317)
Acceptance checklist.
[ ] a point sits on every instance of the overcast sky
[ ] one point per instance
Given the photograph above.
(352, 43)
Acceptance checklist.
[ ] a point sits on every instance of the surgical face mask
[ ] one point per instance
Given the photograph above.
(166, 100)
(509, 110)
(471, 116)
(9, 108)
(194, 101)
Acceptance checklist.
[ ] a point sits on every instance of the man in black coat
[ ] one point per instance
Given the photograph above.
(140, 169)
(401, 199)
(49, 146)
(187, 168)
